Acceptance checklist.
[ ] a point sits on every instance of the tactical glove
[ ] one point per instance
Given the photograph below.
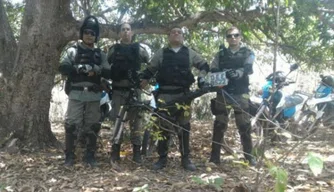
(232, 74)
(200, 82)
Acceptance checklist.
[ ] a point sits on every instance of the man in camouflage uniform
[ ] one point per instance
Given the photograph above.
(126, 59)
(237, 60)
(172, 67)
(83, 64)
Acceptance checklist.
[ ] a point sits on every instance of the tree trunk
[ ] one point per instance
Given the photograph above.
(7, 46)
(25, 113)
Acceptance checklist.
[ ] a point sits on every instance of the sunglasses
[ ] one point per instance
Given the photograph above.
(89, 32)
(233, 35)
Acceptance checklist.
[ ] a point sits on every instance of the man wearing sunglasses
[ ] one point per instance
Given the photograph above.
(83, 64)
(237, 61)
(126, 59)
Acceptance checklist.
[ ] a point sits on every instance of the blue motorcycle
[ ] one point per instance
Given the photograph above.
(319, 108)
(277, 110)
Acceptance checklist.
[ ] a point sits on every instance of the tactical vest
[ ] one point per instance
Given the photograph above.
(124, 58)
(86, 57)
(228, 60)
(175, 68)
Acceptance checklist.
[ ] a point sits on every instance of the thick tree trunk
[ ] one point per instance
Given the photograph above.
(7, 46)
(26, 109)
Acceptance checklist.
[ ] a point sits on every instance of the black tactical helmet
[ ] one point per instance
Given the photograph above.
(328, 80)
(91, 23)
(279, 77)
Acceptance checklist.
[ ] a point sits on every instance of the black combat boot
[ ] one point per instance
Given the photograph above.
(89, 157)
(161, 163)
(115, 153)
(136, 154)
(247, 145)
(69, 151)
(217, 138)
(162, 151)
(185, 148)
(69, 159)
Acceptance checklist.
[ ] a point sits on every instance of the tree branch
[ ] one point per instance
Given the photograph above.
(190, 21)
(323, 10)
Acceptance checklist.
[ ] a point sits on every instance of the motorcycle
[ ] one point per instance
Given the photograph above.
(319, 108)
(277, 109)
(105, 101)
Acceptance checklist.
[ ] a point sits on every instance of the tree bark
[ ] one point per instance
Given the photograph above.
(25, 109)
(8, 46)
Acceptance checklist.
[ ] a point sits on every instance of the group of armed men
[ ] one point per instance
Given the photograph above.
(85, 65)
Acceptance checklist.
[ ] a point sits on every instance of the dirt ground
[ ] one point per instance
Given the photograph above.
(44, 170)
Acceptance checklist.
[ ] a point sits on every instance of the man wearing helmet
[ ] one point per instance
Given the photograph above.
(84, 65)
(237, 61)
(126, 59)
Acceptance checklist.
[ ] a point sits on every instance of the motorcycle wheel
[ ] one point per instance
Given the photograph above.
(307, 124)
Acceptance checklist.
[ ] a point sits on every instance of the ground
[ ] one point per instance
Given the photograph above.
(44, 170)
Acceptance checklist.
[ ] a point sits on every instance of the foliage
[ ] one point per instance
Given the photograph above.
(2, 187)
(215, 181)
(153, 127)
(305, 32)
(14, 14)
(281, 177)
(315, 163)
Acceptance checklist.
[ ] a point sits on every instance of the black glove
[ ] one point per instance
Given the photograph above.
(200, 82)
(82, 70)
(232, 74)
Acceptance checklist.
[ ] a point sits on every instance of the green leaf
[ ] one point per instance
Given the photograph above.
(286, 3)
(178, 106)
(219, 181)
(198, 180)
(281, 178)
(315, 163)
